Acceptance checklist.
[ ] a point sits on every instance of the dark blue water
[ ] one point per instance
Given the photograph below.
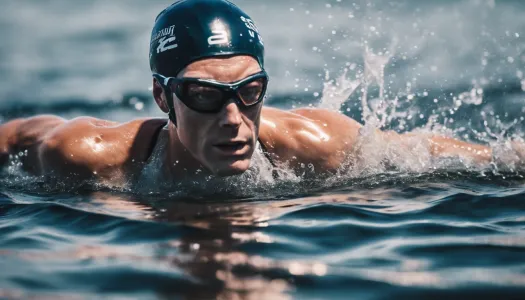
(451, 233)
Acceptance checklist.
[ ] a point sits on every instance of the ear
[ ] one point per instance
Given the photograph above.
(159, 96)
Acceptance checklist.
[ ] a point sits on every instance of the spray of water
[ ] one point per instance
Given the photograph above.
(412, 155)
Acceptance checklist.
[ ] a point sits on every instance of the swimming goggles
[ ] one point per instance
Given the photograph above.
(210, 96)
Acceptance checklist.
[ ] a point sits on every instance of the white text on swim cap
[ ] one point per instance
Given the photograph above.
(164, 44)
(252, 28)
(162, 33)
(165, 38)
(220, 35)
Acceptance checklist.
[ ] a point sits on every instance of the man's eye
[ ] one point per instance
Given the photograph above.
(251, 92)
(200, 93)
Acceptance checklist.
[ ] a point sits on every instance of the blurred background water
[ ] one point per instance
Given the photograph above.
(385, 236)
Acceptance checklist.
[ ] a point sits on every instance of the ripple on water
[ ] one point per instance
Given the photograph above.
(446, 239)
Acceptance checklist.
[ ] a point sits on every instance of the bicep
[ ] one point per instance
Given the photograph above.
(68, 158)
(57, 158)
(78, 150)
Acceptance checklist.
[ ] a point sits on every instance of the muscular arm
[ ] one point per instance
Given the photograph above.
(307, 137)
(79, 149)
(439, 146)
(89, 148)
(326, 139)
(28, 134)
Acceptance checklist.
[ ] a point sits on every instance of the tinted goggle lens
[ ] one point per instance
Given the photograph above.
(252, 92)
(201, 97)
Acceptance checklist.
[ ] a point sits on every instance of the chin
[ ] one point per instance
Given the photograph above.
(234, 168)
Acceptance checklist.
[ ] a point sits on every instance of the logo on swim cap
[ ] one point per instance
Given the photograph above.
(220, 34)
(252, 29)
(165, 37)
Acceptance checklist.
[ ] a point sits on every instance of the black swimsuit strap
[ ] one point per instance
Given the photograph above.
(154, 140)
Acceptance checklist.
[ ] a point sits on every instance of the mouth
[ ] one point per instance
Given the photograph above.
(232, 148)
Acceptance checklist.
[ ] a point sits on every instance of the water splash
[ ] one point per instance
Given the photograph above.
(374, 73)
(377, 155)
(336, 92)
(15, 162)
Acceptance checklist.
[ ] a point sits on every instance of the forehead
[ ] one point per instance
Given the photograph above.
(228, 69)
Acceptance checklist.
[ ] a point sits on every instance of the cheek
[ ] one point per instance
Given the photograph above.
(191, 126)
(252, 118)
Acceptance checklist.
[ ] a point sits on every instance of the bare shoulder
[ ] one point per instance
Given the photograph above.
(88, 146)
(309, 135)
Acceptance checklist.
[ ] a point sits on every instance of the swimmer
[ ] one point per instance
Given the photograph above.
(207, 63)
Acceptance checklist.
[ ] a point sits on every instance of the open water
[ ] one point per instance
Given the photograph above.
(411, 230)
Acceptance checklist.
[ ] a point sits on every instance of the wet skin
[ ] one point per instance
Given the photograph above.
(220, 144)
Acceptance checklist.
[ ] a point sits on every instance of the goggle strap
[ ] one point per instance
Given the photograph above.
(169, 99)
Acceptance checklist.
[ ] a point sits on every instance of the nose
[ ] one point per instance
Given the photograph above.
(230, 115)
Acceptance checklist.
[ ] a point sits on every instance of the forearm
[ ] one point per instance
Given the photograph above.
(426, 149)
(442, 146)
(439, 146)
(507, 155)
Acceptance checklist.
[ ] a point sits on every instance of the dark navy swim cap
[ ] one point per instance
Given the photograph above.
(190, 30)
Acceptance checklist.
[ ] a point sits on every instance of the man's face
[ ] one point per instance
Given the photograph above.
(225, 141)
